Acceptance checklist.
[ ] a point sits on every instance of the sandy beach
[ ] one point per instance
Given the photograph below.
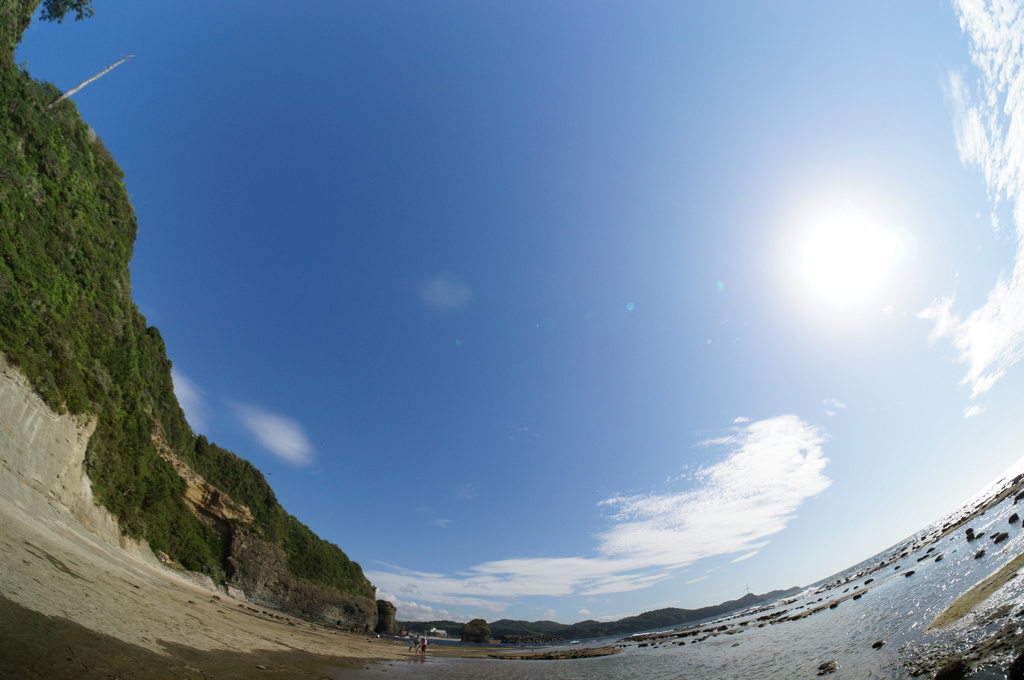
(61, 585)
(78, 599)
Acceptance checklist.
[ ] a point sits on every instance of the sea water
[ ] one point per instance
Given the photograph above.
(893, 609)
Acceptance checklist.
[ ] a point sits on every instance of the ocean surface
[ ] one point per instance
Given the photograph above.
(896, 604)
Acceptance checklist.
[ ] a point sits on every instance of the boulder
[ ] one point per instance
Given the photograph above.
(1016, 669)
(953, 670)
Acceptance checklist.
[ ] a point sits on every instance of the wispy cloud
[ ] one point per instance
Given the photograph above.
(467, 492)
(770, 468)
(773, 466)
(989, 129)
(973, 410)
(745, 557)
(445, 292)
(190, 397)
(832, 403)
(281, 436)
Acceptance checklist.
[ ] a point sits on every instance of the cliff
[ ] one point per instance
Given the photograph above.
(103, 427)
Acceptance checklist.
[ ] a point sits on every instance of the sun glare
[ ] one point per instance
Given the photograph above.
(845, 259)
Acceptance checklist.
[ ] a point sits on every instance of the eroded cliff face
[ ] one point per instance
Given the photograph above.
(259, 569)
(42, 456)
(206, 500)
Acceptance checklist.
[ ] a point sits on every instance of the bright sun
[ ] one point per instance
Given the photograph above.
(845, 258)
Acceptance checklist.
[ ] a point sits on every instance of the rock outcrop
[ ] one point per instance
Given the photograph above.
(259, 568)
(476, 630)
(386, 624)
(206, 500)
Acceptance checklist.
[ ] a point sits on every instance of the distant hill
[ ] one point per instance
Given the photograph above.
(659, 618)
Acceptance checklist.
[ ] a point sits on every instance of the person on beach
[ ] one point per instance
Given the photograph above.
(412, 643)
(423, 649)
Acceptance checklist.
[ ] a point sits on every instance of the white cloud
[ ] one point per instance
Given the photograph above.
(697, 580)
(740, 419)
(746, 557)
(437, 588)
(584, 612)
(770, 468)
(973, 410)
(281, 436)
(773, 467)
(190, 397)
(834, 403)
(445, 291)
(990, 135)
(414, 611)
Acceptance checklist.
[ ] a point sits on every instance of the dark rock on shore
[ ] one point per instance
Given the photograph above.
(954, 670)
(556, 654)
(529, 639)
(386, 618)
(1016, 669)
(476, 630)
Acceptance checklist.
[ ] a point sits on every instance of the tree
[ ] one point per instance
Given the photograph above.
(476, 630)
(56, 10)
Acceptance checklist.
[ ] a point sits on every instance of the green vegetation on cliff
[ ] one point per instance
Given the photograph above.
(67, 319)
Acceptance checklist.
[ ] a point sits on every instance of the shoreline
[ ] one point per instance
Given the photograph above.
(79, 599)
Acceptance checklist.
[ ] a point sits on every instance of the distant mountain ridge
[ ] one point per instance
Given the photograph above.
(652, 620)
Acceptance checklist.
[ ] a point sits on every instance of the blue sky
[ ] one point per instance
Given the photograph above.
(577, 310)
